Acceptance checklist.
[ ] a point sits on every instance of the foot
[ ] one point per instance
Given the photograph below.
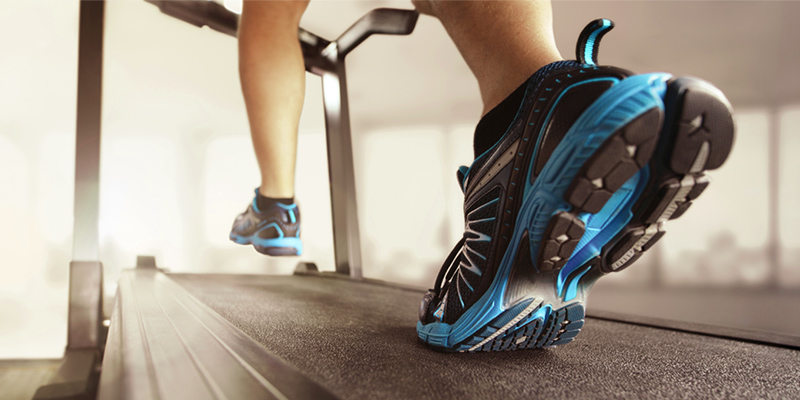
(274, 231)
(581, 184)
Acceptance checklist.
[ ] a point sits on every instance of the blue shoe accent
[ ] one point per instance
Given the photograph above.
(254, 203)
(589, 40)
(461, 174)
(603, 226)
(274, 232)
(572, 288)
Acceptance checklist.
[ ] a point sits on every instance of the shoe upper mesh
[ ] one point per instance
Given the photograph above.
(483, 209)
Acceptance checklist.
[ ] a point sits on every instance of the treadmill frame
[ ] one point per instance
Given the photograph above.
(86, 338)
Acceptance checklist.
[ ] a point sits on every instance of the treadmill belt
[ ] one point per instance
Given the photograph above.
(358, 340)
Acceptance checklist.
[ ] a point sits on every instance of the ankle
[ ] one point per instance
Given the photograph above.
(498, 87)
(276, 193)
(496, 120)
(265, 202)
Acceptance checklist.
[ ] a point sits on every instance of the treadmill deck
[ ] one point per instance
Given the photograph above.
(358, 340)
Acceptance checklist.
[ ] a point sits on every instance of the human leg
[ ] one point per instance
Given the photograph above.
(576, 172)
(272, 74)
(519, 42)
(273, 83)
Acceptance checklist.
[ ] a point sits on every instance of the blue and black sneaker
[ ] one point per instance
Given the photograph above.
(581, 183)
(274, 231)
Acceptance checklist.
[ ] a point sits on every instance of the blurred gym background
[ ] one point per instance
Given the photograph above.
(177, 163)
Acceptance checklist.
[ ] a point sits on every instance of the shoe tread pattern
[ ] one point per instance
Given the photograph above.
(697, 136)
(619, 158)
(555, 328)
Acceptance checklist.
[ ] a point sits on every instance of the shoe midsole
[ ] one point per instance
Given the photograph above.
(273, 242)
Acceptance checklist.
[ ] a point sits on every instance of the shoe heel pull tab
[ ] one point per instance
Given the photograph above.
(589, 40)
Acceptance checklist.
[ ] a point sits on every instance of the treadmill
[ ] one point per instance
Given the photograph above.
(214, 336)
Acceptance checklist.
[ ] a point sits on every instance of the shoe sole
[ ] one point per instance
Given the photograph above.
(271, 247)
(620, 186)
(698, 136)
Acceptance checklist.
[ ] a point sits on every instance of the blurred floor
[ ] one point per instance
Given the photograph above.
(19, 379)
(750, 308)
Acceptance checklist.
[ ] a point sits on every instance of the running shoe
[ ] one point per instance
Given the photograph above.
(582, 182)
(274, 231)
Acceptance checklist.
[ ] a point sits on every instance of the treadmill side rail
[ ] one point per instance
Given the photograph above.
(163, 343)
